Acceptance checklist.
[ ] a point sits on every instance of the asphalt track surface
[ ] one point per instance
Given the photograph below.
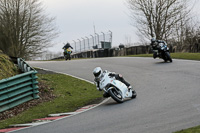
(168, 97)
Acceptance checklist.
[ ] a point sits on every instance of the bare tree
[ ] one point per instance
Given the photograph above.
(187, 38)
(25, 28)
(158, 18)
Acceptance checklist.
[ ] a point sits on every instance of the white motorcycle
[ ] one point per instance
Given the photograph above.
(115, 88)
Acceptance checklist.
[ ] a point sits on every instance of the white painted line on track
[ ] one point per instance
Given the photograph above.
(104, 101)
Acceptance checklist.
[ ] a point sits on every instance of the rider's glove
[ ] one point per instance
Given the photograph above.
(111, 74)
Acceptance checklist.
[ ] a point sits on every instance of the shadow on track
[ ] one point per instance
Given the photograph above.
(163, 62)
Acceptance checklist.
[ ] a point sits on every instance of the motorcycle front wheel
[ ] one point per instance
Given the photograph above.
(65, 57)
(116, 95)
(168, 56)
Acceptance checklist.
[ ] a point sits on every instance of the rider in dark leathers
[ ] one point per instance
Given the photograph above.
(155, 46)
(67, 46)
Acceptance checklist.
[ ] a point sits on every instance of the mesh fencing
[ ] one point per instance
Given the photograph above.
(91, 42)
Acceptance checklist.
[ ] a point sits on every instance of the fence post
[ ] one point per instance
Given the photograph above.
(34, 86)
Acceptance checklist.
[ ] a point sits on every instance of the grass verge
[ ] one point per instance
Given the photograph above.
(7, 68)
(71, 94)
(188, 56)
(190, 130)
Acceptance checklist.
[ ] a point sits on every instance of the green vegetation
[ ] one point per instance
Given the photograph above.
(190, 130)
(188, 56)
(71, 93)
(7, 68)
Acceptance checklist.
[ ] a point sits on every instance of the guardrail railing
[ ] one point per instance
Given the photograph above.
(20, 88)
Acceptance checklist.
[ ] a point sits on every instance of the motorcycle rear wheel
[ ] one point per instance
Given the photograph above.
(116, 95)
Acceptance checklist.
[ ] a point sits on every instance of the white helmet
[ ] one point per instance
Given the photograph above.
(97, 72)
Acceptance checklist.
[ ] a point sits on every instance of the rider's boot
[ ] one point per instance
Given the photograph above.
(106, 95)
(130, 88)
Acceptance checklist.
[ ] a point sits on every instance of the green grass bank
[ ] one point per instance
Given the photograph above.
(7, 68)
(70, 94)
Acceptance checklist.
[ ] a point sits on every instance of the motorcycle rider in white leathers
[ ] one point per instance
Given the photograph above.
(99, 73)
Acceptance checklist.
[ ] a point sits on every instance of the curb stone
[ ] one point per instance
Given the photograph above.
(51, 118)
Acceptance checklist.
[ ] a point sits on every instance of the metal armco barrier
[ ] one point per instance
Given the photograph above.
(20, 88)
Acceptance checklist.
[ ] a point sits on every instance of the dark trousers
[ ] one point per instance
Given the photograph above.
(120, 78)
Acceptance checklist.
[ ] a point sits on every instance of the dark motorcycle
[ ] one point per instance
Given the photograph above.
(67, 54)
(162, 51)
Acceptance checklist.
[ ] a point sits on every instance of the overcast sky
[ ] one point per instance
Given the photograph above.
(76, 19)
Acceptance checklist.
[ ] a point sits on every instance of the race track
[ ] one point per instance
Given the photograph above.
(168, 97)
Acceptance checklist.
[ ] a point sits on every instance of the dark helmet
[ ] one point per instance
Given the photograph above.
(68, 44)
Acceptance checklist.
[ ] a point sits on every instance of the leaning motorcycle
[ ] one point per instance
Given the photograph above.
(115, 88)
(162, 51)
(67, 54)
